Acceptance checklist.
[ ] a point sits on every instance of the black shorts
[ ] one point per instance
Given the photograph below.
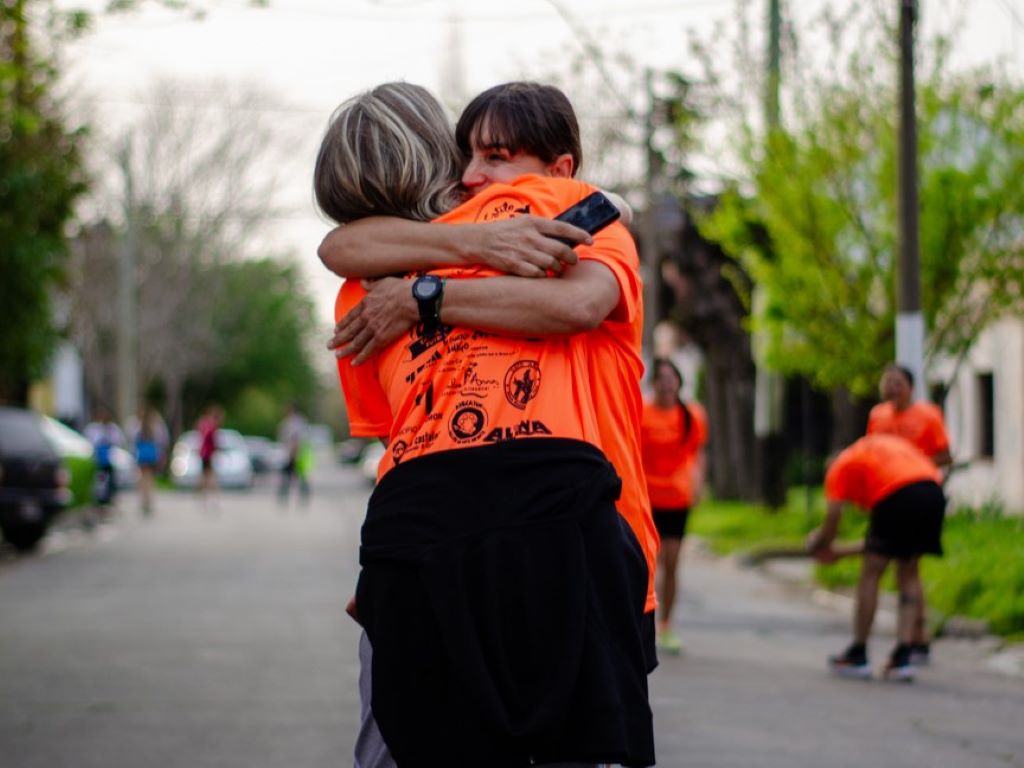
(908, 522)
(208, 464)
(671, 523)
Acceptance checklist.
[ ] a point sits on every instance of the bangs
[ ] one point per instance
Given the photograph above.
(495, 131)
(495, 125)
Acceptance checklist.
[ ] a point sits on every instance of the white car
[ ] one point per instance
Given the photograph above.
(370, 460)
(232, 464)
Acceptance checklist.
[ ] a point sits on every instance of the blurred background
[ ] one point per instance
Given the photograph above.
(159, 233)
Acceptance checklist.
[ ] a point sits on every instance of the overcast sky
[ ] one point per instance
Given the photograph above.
(314, 53)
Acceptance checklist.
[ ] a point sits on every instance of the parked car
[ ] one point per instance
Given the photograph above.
(79, 457)
(33, 479)
(126, 468)
(370, 460)
(232, 464)
(351, 451)
(77, 453)
(266, 455)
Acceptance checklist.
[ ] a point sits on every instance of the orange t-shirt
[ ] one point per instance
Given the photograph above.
(464, 388)
(612, 350)
(921, 424)
(875, 467)
(669, 458)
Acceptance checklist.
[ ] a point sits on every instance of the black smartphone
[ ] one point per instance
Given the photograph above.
(593, 213)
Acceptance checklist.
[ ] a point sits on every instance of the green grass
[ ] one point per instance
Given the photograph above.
(981, 575)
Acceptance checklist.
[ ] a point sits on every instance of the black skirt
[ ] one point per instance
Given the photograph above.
(503, 597)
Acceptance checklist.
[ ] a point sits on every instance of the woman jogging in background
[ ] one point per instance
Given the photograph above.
(149, 438)
(672, 438)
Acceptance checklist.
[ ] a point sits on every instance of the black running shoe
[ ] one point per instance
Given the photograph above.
(899, 669)
(920, 654)
(853, 662)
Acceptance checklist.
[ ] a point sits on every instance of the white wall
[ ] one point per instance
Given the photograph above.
(999, 351)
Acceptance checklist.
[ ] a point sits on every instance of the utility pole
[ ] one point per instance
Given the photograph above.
(768, 386)
(127, 309)
(909, 319)
(649, 233)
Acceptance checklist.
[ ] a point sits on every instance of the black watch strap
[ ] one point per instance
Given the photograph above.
(428, 291)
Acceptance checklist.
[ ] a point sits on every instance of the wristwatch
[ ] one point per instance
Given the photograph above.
(428, 291)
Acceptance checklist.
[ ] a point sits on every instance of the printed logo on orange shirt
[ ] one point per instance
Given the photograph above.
(398, 450)
(522, 383)
(502, 209)
(467, 422)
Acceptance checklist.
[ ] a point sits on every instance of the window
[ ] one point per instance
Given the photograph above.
(937, 392)
(986, 416)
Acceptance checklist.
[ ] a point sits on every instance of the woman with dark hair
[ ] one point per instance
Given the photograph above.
(500, 591)
(672, 438)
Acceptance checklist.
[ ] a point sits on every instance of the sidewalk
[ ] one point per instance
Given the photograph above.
(752, 688)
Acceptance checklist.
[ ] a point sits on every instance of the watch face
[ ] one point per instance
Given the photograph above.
(426, 288)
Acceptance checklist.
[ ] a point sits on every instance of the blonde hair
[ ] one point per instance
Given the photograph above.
(388, 152)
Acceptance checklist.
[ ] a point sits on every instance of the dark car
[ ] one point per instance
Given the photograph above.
(33, 480)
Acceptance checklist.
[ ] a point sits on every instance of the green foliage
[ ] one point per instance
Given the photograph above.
(41, 177)
(980, 576)
(254, 411)
(816, 221)
(263, 325)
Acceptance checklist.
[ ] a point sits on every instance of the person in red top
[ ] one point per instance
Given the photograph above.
(207, 427)
(922, 424)
(672, 438)
(499, 588)
(890, 479)
(510, 130)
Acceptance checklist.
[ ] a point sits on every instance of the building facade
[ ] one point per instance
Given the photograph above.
(984, 409)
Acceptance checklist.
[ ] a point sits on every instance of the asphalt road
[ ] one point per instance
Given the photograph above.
(219, 640)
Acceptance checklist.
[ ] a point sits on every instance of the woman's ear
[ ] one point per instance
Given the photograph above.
(562, 167)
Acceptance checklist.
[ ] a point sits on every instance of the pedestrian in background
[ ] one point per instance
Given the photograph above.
(291, 433)
(207, 428)
(672, 439)
(149, 439)
(923, 425)
(105, 435)
(898, 486)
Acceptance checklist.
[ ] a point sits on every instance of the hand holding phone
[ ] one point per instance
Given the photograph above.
(591, 214)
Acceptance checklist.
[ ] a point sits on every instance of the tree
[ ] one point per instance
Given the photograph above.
(190, 195)
(264, 332)
(814, 219)
(41, 177)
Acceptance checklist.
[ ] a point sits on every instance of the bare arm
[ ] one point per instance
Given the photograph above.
(578, 301)
(380, 246)
(699, 474)
(819, 541)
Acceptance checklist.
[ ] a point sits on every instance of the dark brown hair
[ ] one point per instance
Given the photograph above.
(522, 117)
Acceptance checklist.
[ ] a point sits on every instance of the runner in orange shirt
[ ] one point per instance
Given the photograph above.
(499, 588)
(898, 486)
(922, 424)
(511, 130)
(672, 438)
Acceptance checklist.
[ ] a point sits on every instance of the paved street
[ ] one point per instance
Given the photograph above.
(220, 640)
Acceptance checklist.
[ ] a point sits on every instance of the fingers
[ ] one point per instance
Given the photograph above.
(358, 346)
(562, 230)
(344, 331)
